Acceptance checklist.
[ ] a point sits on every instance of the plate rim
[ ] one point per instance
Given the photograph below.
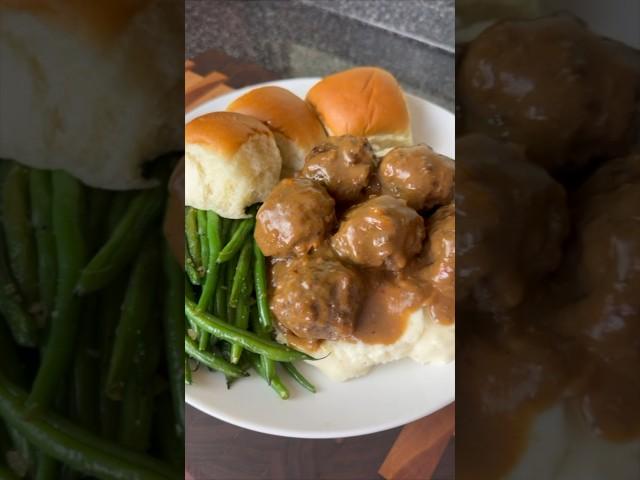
(204, 406)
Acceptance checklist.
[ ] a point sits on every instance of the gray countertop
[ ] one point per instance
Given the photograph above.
(413, 39)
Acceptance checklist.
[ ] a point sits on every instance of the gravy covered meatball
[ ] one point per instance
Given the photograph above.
(315, 296)
(550, 85)
(512, 220)
(342, 165)
(382, 231)
(438, 262)
(295, 218)
(418, 175)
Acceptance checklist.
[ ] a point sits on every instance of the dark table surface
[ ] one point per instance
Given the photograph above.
(220, 451)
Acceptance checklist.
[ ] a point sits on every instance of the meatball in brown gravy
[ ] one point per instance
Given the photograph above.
(295, 218)
(381, 232)
(418, 175)
(316, 296)
(342, 164)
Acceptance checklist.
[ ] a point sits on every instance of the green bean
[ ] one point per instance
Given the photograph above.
(96, 228)
(298, 377)
(201, 219)
(86, 384)
(76, 447)
(118, 209)
(210, 360)
(137, 411)
(214, 246)
(125, 241)
(247, 340)
(41, 216)
(275, 383)
(260, 279)
(70, 246)
(190, 268)
(220, 307)
(237, 240)
(170, 444)
(242, 322)
(268, 365)
(230, 271)
(240, 279)
(17, 225)
(48, 468)
(136, 313)
(192, 239)
(173, 332)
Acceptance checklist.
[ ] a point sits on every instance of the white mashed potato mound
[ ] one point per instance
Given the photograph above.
(97, 108)
(425, 341)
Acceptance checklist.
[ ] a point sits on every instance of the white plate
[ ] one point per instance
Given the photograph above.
(390, 396)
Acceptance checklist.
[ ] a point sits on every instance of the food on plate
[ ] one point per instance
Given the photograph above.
(231, 162)
(295, 218)
(343, 165)
(380, 232)
(46, 89)
(173, 226)
(293, 123)
(418, 175)
(316, 296)
(366, 102)
(501, 198)
(370, 288)
(577, 105)
(331, 265)
(549, 248)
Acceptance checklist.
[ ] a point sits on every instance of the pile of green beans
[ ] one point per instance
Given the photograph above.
(91, 325)
(229, 327)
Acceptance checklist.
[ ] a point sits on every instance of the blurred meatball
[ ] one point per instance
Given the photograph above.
(552, 86)
(380, 232)
(342, 165)
(316, 296)
(418, 175)
(511, 220)
(295, 218)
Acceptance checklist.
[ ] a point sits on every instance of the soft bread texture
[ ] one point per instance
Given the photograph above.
(363, 101)
(231, 162)
(294, 124)
(93, 88)
(425, 341)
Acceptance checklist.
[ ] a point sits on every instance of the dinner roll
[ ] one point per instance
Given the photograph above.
(363, 101)
(294, 124)
(231, 162)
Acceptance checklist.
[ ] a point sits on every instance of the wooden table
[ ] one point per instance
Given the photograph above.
(220, 451)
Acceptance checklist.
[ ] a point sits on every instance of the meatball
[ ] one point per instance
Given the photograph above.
(315, 296)
(380, 232)
(418, 175)
(439, 260)
(342, 165)
(295, 218)
(511, 221)
(550, 85)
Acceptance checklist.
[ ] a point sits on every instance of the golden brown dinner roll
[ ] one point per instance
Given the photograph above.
(92, 88)
(363, 101)
(231, 162)
(295, 126)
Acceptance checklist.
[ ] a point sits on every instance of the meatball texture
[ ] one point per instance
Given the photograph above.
(381, 232)
(418, 175)
(552, 86)
(512, 220)
(342, 164)
(315, 296)
(294, 219)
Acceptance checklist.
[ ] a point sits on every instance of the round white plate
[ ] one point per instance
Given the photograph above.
(390, 396)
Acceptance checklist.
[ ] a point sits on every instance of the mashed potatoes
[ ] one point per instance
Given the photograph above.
(424, 341)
